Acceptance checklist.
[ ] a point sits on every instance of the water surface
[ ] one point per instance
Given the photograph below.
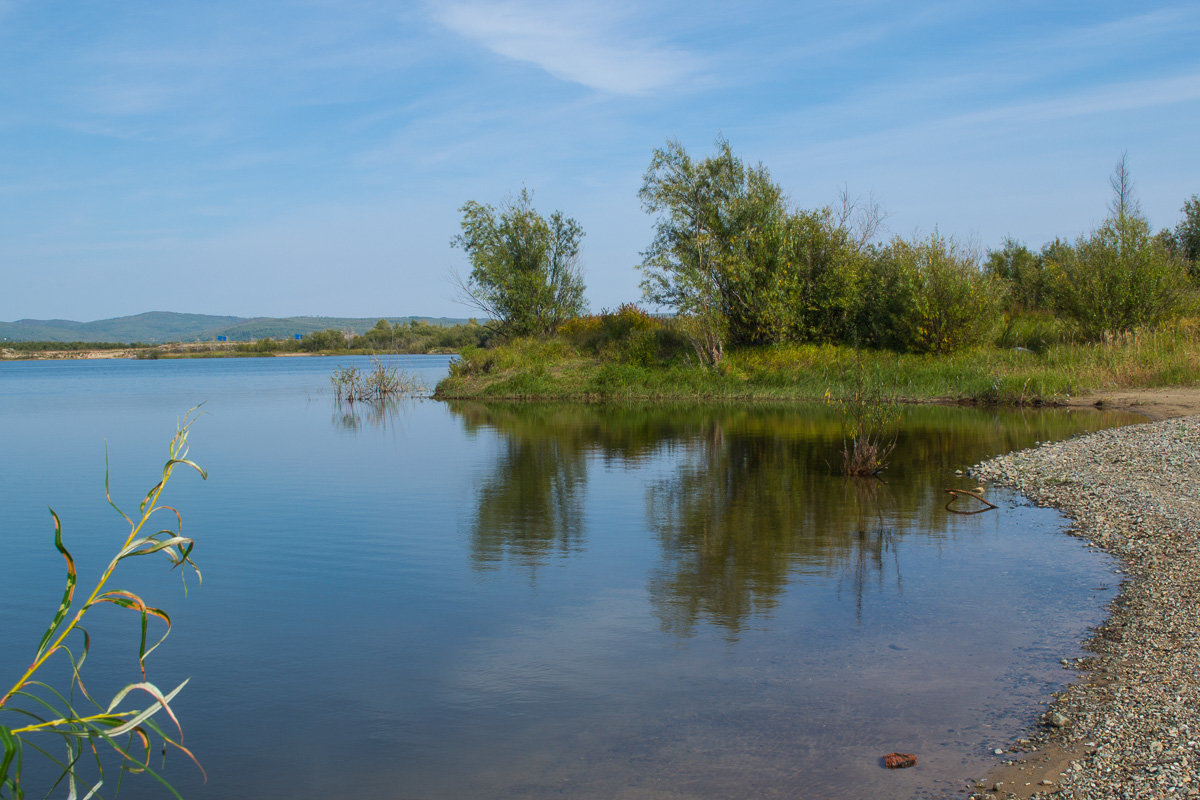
(468, 601)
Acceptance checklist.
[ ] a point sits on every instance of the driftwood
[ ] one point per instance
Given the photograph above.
(954, 493)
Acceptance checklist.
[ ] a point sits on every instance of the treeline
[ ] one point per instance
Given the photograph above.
(738, 265)
(35, 347)
(384, 337)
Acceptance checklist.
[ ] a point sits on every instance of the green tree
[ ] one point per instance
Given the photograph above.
(1119, 277)
(328, 339)
(1021, 272)
(713, 216)
(740, 266)
(927, 295)
(525, 271)
(1187, 235)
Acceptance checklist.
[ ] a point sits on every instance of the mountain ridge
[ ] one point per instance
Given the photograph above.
(156, 327)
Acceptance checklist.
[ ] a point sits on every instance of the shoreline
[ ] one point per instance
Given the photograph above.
(1128, 725)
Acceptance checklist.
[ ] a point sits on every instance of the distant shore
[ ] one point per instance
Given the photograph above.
(173, 350)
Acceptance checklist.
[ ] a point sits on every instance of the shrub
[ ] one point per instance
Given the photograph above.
(329, 339)
(1022, 273)
(1121, 276)
(383, 381)
(927, 296)
(1036, 331)
(1116, 279)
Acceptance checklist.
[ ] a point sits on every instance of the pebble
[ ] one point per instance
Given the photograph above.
(1135, 712)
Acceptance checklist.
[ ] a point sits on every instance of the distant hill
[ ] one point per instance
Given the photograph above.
(166, 326)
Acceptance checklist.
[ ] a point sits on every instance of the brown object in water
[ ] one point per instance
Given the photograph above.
(899, 760)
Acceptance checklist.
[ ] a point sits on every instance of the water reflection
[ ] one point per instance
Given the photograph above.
(530, 508)
(754, 502)
(370, 414)
(749, 501)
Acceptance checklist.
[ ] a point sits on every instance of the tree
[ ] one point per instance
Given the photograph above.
(1120, 276)
(704, 209)
(1187, 235)
(1021, 272)
(525, 271)
(737, 263)
(927, 295)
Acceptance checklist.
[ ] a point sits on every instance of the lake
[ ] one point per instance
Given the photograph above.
(432, 600)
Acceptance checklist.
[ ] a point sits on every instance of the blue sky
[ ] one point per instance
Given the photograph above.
(282, 157)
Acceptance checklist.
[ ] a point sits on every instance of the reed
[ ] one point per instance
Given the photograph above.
(870, 425)
(383, 381)
(75, 731)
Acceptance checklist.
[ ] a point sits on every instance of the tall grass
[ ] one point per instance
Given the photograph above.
(870, 425)
(1168, 355)
(75, 731)
(381, 382)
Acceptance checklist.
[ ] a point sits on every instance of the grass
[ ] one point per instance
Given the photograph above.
(382, 382)
(65, 724)
(555, 369)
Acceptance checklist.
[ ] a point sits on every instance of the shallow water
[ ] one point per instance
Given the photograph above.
(468, 601)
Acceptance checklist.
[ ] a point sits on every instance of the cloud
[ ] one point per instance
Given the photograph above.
(571, 43)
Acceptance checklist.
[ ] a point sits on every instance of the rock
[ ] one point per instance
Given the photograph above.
(899, 760)
(1058, 719)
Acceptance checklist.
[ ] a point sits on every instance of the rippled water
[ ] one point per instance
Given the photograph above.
(467, 601)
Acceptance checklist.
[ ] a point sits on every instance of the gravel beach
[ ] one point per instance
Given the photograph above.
(1129, 726)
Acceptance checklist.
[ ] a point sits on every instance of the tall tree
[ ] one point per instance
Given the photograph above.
(1187, 235)
(737, 263)
(1119, 277)
(525, 272)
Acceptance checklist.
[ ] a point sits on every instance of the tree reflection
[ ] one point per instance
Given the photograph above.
(751, 500)
(745, 511)
(531, 507)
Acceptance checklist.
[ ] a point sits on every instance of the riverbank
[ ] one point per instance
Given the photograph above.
(1130, 724)
(557, 369)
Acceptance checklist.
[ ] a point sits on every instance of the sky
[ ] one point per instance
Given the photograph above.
(289, 157)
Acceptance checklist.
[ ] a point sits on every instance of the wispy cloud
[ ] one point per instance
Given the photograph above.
(573, 43)
(1010, 121)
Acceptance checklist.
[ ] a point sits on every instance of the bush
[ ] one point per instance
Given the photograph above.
(1036, 331)
(1022, 273)
(329, 339)
(927, 296)
(383, 381)
(1117, 279)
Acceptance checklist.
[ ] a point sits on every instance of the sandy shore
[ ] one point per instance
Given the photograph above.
(1129, 726)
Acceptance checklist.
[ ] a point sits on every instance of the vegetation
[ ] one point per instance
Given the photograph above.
(525, 271)
(871, 423)
(384, 337)
(38, 346)
(160, 326)
(383, 381)
(1186, 239)
(771, 301)
(654, 361)
(734, 259)
(66, 724)
(1120, 277)
(926, 296)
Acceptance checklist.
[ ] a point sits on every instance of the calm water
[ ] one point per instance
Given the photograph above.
(464, 601)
